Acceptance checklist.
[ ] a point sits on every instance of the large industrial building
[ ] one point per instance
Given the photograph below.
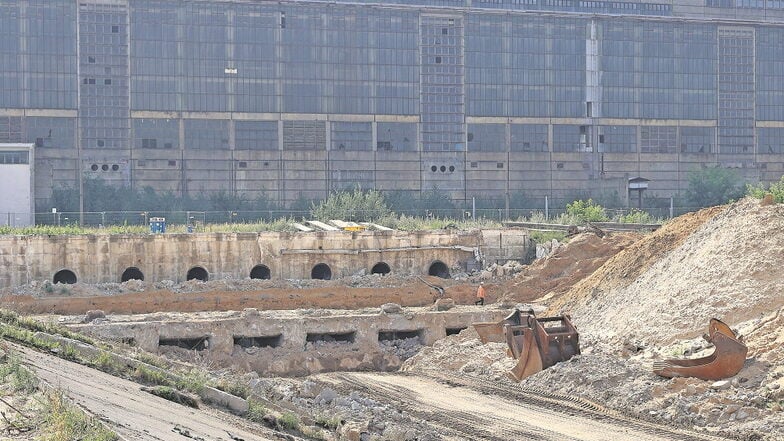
(478, 98)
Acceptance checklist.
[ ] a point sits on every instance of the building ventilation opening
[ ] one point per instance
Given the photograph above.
(197, 273)
(380, 268)
(330, 337)
(260, 272)
(270, 341)
(439, 269)
(400, 335)
(131, 273)
(321, 271)
(64, 276)
(191, 344)
(454, 331)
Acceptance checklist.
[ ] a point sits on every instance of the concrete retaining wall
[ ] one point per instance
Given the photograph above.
(293, 355)
(104, 258)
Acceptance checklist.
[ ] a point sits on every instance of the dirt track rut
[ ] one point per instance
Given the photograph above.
(462, 409)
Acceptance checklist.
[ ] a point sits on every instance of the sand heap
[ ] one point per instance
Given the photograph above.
(568, 264)
(722, 262)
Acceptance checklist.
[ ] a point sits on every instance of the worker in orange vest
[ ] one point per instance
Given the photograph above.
(480, 294)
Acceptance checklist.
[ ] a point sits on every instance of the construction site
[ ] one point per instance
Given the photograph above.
(378, 334)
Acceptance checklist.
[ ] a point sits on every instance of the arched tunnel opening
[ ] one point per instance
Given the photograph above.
(64, 276)
(439, 269)
(260, 272)
(380, 268)
(322, 271)
(131, 273)
(197, 273)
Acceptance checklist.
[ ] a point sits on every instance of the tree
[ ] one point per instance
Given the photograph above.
(713, 186)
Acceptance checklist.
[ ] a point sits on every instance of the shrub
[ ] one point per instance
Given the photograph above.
(22, 380)
(289, 421)
(357, 205)
(256, 411)
(776, 189)
(635, 216)
(64, 422)
(586, 211)
(194, 381)
(713, 186)
(175, 396)
(152, 376)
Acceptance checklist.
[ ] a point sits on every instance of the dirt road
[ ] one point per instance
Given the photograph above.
(463, 409)
(133, 414)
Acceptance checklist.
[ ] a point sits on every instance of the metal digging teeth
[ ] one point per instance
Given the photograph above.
(535, 343)
(726, 360)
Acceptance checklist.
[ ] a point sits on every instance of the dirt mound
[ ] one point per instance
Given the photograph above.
(720, 262)
(462, 353)
(567, 265)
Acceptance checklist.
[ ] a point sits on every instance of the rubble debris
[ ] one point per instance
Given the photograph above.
(391, 308)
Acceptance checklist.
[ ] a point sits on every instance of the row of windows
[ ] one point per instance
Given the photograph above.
(49, 132)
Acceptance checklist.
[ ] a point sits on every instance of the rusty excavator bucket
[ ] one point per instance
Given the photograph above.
(535, 343)
(726, 360)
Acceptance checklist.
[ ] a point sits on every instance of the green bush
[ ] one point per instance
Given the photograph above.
(256, 411)
(289, 421)
(22, 380)
(776, 189)
(635, 216)
(65, 422)
(356, 205)
(713, 186)
(586, 211)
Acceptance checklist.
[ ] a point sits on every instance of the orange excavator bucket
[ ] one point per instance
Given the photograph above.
(726, 360)
(536, 344)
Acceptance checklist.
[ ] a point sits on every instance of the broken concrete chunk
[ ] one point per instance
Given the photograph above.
(391, 308)
(93, 315)
(721, 385)
(250, 312)
(326, 396)
(444, 304)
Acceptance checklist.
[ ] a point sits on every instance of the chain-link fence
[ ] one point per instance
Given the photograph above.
(542, 209)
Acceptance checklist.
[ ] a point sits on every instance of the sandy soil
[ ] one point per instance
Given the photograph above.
(413, 293)
(568, 264)
(461, 409)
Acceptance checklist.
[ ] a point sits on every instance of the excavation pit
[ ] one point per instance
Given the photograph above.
(291, 342)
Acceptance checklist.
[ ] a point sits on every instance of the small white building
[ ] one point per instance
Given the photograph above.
(17, 204)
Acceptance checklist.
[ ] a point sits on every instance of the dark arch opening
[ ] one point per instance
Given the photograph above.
(131, 273)
(439, 269)
(64, 276)
(260, 272)
(380, 268)
(321, 271)
(197, 273)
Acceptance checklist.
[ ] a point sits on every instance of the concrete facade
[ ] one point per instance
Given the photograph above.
(249, 97)
(105, 258)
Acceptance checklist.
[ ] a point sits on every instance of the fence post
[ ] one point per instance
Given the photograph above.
(473, 207)
(546, 208)
(672, 206)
